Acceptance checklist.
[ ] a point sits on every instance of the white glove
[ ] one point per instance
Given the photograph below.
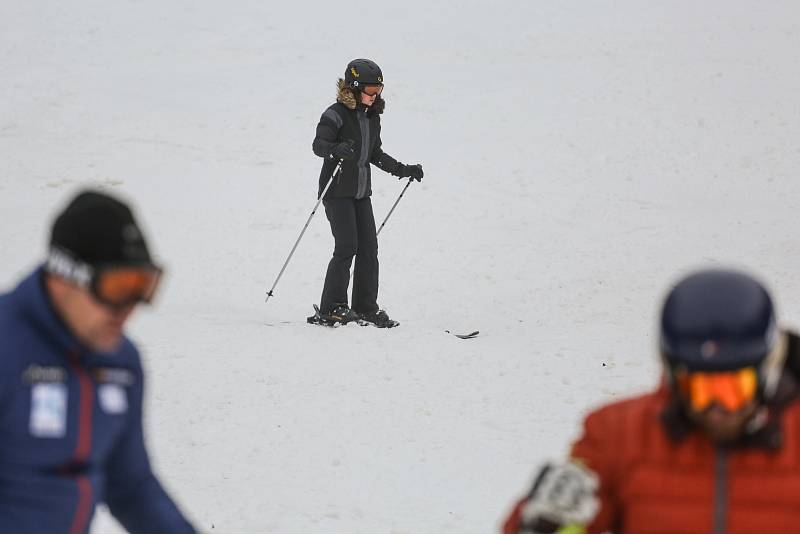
(564, 494)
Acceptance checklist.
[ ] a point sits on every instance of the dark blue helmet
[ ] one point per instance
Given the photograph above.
(719, 320)
(362, 72)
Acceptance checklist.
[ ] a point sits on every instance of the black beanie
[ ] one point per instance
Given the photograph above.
(97, 229)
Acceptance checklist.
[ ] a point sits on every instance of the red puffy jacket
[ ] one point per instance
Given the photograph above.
(659, 475)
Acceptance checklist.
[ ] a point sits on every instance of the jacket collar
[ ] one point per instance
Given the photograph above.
(37, 308)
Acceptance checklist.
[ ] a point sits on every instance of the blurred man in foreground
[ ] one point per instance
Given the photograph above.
(716, 449)
(71, 382)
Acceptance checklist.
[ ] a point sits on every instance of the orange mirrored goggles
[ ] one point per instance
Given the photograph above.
(119, 287)
(729, 389)
(372, 90)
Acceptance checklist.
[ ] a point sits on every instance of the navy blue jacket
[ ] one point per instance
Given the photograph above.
(71, 428)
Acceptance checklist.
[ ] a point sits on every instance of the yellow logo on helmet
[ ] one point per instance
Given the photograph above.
(354, 72)
(380, 79)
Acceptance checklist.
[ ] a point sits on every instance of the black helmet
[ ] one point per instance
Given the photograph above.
(362, 72)
(719, 320)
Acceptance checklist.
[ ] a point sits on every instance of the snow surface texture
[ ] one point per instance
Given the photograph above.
(579, 157)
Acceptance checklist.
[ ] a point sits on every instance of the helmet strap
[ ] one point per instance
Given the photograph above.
(772, 366)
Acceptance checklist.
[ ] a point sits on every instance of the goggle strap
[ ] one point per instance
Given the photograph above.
(772, 365)
(63, 264)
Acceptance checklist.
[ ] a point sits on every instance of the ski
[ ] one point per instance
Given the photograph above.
(464, 336)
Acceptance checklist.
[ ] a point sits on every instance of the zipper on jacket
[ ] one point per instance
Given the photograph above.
(83, 446)
(362, 176)
(720, 510)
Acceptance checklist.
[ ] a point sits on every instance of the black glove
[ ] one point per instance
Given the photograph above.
(344, 150)
(409, 171)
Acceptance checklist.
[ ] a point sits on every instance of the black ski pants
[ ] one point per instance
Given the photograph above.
(353, 228)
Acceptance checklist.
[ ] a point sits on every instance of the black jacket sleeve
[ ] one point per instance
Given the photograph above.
(384, 160)
(327, 133)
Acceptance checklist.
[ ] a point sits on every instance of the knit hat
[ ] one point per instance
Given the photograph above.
(96, 229)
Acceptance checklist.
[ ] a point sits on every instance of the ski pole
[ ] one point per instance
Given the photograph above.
(394, 206)
(330, 181)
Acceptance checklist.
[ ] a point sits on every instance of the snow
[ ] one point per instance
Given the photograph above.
(579, 157)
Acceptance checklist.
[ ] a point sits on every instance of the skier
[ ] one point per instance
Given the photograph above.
(350, 131)
(71, 382)
(716, 448)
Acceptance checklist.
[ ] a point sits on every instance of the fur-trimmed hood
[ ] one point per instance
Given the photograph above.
(350, 98)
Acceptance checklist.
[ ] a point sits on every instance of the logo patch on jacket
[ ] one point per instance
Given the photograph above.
(48, 410)
(113, 398)
(114, 375)
(44, 373)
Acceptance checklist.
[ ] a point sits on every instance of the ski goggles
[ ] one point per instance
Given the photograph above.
(120, 287)
(115, 286)
(372, 90)
(729, 389)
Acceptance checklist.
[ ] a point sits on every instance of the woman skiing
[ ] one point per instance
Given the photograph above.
(349, 131)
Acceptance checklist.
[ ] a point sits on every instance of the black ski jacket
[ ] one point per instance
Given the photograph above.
(348, 119)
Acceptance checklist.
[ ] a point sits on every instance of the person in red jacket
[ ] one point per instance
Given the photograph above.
(715, 449)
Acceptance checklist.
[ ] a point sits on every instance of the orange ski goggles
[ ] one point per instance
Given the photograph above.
(118, 287)
(372, 90)
(729, 389)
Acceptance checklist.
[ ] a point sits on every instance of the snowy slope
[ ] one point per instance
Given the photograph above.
(579, 156)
